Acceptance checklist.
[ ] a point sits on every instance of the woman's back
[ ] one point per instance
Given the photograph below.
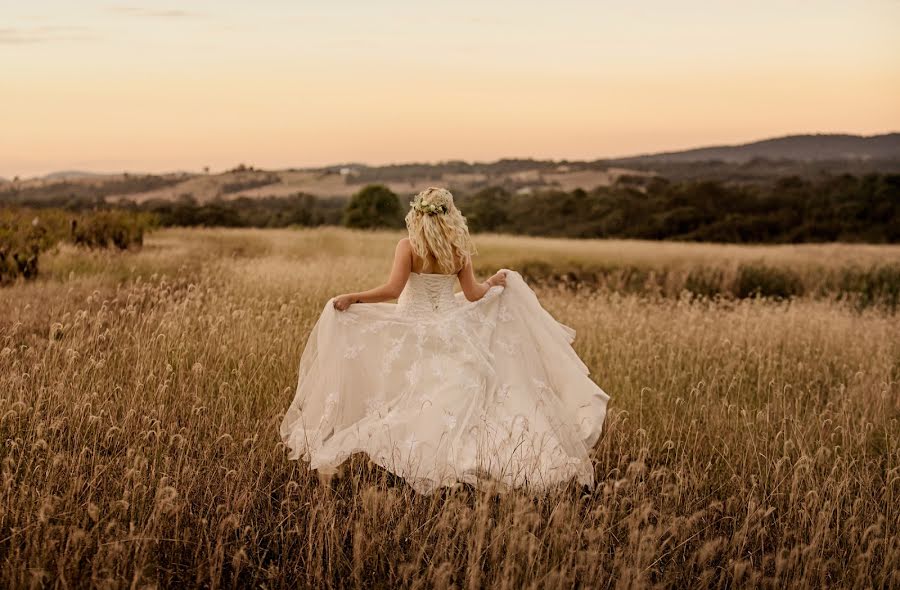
(429, 265)
(427, 293)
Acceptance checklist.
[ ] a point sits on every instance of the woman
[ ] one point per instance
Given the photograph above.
(479, 387)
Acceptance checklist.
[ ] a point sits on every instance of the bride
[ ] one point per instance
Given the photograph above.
(479, 387)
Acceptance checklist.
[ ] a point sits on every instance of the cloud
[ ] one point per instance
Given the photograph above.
(23, 36)
(140, 11)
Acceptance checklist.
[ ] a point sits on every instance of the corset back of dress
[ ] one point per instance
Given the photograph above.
(427, 294)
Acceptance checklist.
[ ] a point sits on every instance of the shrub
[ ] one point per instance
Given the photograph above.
(757, 280)
(26, 233)
(373, 207)
(704, 281)
(871, 286)
(105, 229)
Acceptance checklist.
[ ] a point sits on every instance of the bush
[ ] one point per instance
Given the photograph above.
(105, 229)
(877, 285)
(373, 207)
(755, 280)
(18, 253)
(26, 233)
(704, 282)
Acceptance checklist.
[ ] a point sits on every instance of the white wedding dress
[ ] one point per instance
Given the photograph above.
(440, 390)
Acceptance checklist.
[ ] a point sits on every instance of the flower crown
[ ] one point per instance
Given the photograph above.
(421, 206)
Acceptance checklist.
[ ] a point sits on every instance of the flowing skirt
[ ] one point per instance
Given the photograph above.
(489, 393)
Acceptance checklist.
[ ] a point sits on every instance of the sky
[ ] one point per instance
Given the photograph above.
(164, 86)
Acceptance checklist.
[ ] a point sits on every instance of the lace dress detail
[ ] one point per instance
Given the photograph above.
(442, 391)
(427, 294)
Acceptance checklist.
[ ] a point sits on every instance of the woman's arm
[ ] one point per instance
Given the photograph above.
(472, 289)
(391, 289)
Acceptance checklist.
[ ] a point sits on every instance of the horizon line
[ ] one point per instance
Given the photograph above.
(98, 172)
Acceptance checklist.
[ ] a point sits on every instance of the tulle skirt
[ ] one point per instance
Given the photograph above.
(489, 393)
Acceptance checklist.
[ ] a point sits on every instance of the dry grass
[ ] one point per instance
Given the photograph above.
(749, 443)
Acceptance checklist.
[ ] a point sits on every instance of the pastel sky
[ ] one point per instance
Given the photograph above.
(109, 86)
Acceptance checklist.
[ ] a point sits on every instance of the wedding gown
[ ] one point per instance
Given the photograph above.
(440, 390)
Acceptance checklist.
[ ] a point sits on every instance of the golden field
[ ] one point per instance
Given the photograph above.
(750, 442)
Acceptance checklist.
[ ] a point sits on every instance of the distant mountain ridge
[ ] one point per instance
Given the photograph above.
(811, 147)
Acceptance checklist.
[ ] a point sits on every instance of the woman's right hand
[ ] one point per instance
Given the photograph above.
(499, 279)
(343, 302)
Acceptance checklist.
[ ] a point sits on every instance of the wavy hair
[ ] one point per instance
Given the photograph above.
(438, 231)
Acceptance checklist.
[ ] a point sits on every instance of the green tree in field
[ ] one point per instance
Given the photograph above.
(372, 207)
(487, 210)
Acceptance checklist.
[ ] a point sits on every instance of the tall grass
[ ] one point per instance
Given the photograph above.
(750, 442)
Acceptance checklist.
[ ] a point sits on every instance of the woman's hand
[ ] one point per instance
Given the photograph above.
(498, 279)
(342, 302)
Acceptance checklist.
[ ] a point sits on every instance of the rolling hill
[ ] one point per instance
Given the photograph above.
(807, 156)
(804, 148)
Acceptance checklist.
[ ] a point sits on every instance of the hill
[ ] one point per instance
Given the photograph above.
(811, 157)
(803, 148)
(71, 175)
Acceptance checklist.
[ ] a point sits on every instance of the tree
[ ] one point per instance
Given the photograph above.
(486, 210)
(372, 207)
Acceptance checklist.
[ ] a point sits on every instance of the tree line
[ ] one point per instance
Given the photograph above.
(791, 209)
(844, 207)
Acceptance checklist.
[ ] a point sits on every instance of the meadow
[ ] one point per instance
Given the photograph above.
(751, 441)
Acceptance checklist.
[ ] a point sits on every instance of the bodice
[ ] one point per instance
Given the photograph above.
(427, 294)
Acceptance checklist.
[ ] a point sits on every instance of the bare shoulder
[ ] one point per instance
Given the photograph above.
(404, 249)
(404, 252)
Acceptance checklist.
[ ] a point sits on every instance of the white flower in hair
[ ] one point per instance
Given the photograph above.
(422, 204)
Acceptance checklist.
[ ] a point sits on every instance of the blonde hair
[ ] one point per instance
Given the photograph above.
(438, 230)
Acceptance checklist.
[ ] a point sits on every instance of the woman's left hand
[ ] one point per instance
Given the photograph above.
(342, 302)
(499, 279)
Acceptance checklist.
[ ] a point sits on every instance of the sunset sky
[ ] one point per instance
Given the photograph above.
(107, 86)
